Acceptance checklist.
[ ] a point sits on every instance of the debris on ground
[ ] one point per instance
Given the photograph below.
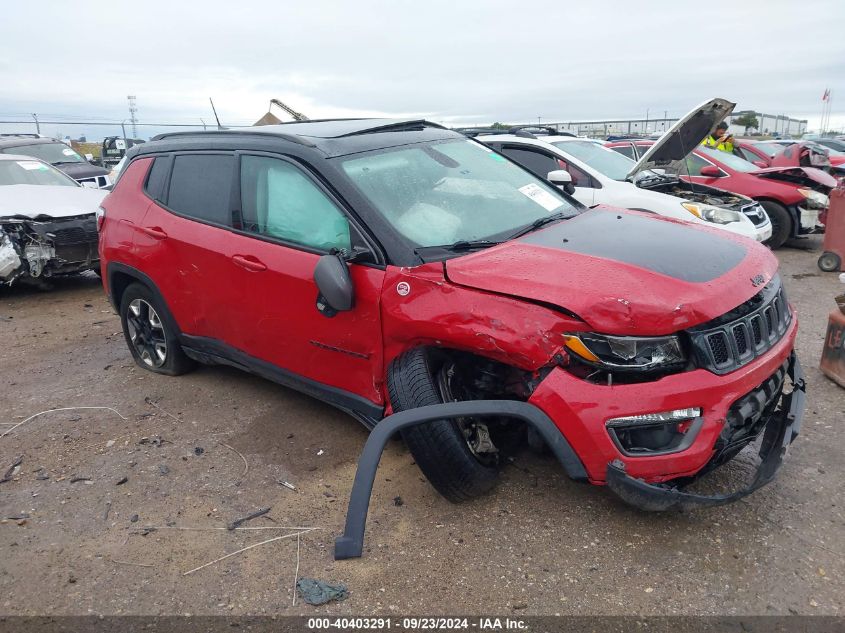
(198, 450)
(74, 480)
(163, 469)
(106, 513)
(32, 417)
(246, 463)
(317, 592)
(249, 517)
(122, 481)
(287, 484)
(155, 440)
(134, 518)
(398, 501)
(13, 470)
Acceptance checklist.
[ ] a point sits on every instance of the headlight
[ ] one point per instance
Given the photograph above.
(627, 352)
(815, 199)
(712, 214)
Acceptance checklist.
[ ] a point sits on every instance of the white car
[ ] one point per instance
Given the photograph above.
(602, 176)
(48, 222)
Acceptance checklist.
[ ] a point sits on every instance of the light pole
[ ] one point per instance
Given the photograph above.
(37, 124)
(203, 125)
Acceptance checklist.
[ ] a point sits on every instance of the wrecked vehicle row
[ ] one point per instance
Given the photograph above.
(47, 222)
(388, 266)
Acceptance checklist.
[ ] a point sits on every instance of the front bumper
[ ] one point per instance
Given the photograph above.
(581, 410)
(781, 429)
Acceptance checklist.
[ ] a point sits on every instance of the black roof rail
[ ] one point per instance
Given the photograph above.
(21, 134)
(293, 138)
(395, 126)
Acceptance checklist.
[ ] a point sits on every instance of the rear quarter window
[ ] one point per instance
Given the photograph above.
(200, 187)
(157, 178)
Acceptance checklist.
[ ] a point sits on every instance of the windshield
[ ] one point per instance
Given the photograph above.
(770, 149)
(603, 159)
(32, 172)
(48, 152)
(444, 192)
(731, 160)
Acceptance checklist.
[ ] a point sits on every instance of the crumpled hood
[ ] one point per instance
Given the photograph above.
(624, 272)
(809, 176)
(55, 201)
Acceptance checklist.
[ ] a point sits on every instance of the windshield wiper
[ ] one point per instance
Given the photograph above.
(460, 245)
(539, 223)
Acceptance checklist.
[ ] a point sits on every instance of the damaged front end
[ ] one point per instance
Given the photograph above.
(767, 418)
(36, 249)
(703, 196)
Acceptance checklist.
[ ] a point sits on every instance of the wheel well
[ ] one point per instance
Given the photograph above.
(485, 377)
(790, 209)
(118, 283)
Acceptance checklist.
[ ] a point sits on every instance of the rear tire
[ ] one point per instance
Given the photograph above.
(830, 262)
(440, 447)
(781, 223)
(151, 338)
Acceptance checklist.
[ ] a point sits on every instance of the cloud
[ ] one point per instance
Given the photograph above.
(474, 61)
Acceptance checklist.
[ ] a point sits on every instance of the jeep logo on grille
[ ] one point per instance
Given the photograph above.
(757, 280)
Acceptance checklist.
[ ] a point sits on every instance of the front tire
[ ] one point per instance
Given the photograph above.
(781, 223)
(442, 449)
(151, 339)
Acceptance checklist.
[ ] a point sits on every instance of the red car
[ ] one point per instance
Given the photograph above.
(388, 266)
(778, 153)
(793, 197)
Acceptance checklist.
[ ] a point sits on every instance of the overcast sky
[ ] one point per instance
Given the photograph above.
(451, 61)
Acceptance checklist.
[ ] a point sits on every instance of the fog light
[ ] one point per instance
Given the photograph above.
(655, 418)
(655, 433)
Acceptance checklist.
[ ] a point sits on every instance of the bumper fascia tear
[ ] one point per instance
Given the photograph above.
(780, 432)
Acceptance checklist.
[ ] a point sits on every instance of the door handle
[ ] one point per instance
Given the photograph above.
(249, 263)
(153, 231)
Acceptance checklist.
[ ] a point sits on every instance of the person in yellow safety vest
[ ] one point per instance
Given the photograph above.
(720, 139)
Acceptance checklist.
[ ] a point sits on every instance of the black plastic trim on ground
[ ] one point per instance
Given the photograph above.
(351, 543)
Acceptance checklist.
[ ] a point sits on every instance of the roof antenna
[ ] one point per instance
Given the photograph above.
(213, 109)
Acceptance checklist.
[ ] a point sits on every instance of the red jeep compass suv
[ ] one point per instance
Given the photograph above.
(384, 266)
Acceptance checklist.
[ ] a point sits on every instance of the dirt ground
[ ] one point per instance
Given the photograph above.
(540, 544)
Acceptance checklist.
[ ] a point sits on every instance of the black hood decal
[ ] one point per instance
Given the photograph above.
(669, 248)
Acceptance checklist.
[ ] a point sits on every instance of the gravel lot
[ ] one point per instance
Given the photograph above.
(540, 544)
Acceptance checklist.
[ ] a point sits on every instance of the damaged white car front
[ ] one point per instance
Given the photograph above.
(48, 225)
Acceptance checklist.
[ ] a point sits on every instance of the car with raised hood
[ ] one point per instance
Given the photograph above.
(383, 266)
(602, 176)
(48, 222)
(795, 197)
(60, 155)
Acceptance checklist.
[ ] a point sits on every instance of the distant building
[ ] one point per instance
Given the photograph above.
(770, 124)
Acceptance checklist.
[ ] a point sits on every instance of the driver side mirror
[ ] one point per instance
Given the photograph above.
(563, 179)
(89, 157)
(759, 163)
(337, 294)
(711, 171)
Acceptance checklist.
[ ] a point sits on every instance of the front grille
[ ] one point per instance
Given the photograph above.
(74, 235)
(755, 213)
(733, 340)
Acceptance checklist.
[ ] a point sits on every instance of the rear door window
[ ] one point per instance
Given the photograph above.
(201, 186)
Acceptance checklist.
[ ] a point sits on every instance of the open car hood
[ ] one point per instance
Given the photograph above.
(32, 201)
(624, 272)
(670, 150)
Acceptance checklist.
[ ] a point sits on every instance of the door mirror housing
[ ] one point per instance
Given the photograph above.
(563, 179)
(337, 293)
(711, 171)
(760, 163)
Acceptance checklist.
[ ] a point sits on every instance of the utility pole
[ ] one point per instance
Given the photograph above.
(37, 124)
(203, 125)
(538, 120)
(133, 110)
(646, 120)
(123, 127)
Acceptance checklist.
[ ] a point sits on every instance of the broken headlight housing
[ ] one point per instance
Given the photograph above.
(709, 213)
(815, 199)
(633, 353)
